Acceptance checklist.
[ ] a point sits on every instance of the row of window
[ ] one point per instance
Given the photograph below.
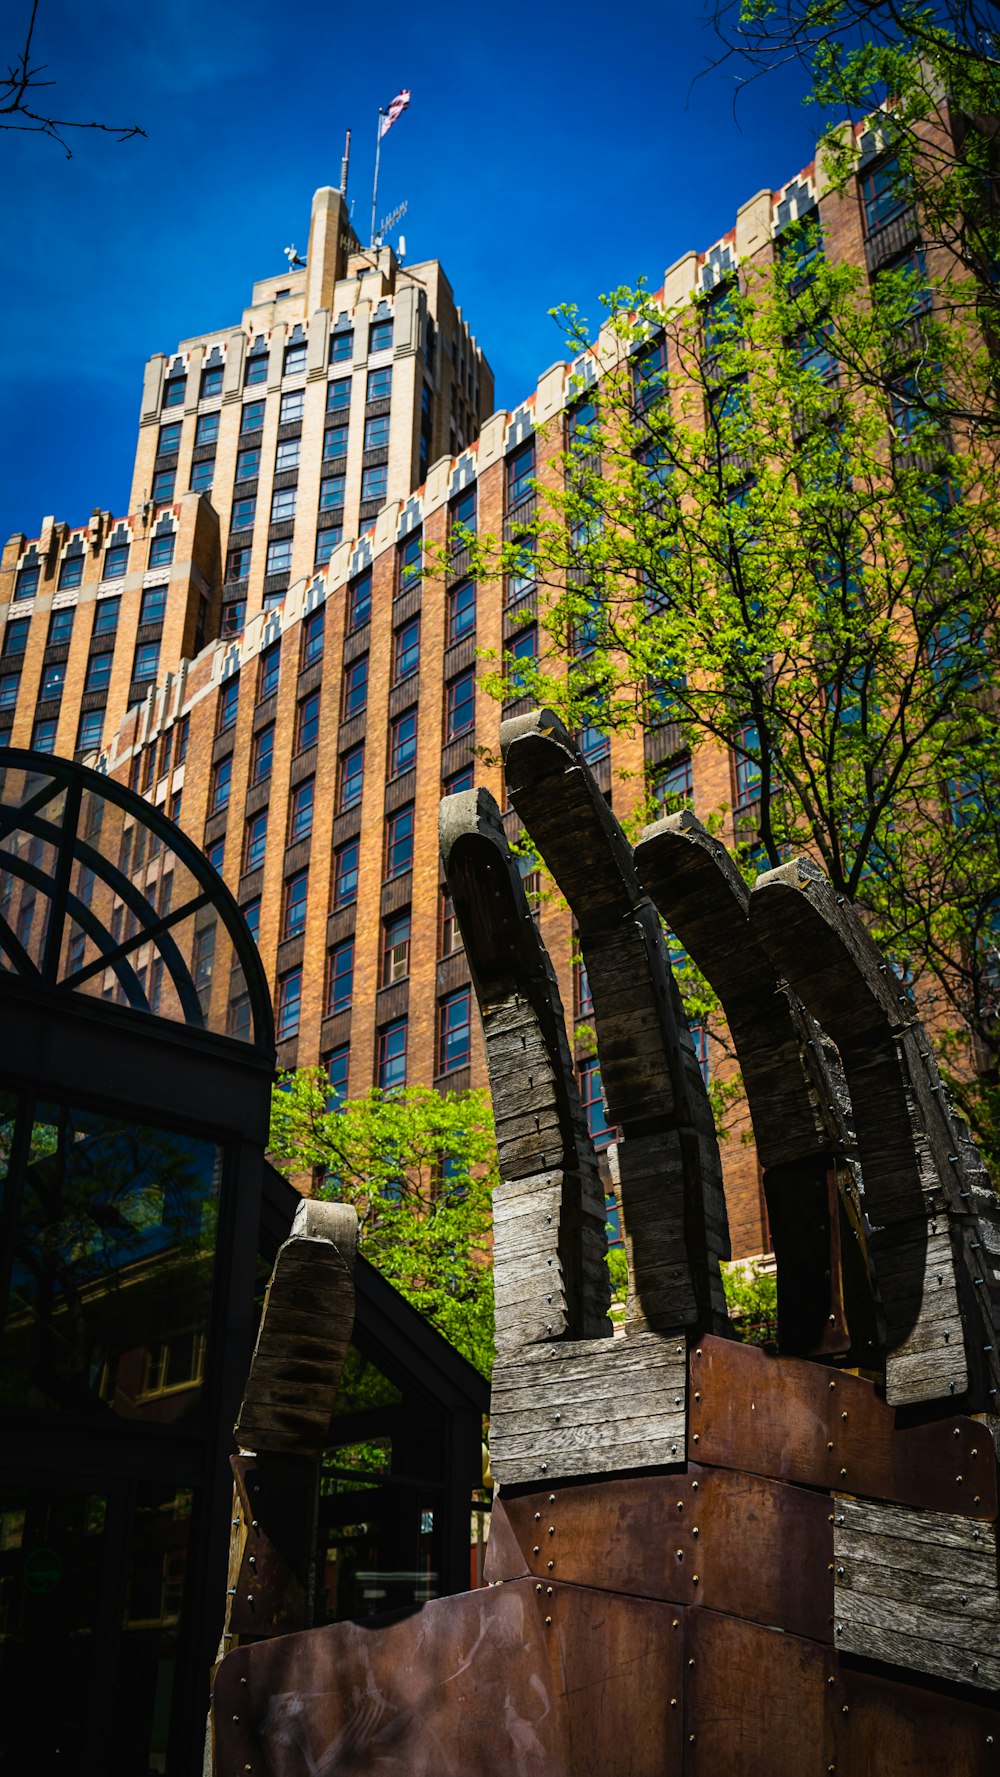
(161, 554)
(294, 363)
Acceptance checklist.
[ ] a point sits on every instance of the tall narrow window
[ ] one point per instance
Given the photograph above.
(461, 610)
(454, 1031)
(399, 842)
(461, 705)
(352, 778)
(345, 875)
(355, 687)
(396, 949)
(392, 1055)
(359, 601)
(288, 1005)
(406, 650)
(293, 921)
(403, 743)
(300, 810)
(592, 1099)
(340, 979)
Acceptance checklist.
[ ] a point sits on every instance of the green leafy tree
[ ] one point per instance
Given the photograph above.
(419, 1167)
(757, 546)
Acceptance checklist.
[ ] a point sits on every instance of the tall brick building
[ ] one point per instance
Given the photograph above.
(279, 676)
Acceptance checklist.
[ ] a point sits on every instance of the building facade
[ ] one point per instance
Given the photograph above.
(339, 693)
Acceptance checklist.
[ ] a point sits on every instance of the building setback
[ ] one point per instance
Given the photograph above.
(306, 747)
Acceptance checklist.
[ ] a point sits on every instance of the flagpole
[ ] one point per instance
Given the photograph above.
(378, 150)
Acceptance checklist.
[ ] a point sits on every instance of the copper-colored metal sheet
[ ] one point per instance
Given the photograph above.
(798, 1421)
(734, 1542)
(272, 1584)
(510, 1681)
(879, 1726)
(754, 1701)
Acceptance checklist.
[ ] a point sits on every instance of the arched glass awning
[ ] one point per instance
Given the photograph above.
(101, 895)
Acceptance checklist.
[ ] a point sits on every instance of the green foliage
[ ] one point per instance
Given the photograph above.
(752, 1298)
(419, 1167)
(773, 557)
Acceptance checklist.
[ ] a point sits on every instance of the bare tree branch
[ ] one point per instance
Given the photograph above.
(17, 100)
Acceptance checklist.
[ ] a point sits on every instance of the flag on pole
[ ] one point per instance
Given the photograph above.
(395, 110)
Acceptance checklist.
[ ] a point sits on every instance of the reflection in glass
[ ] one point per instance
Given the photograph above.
(112, 1270)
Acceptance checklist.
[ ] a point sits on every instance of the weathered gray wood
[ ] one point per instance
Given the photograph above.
(921, 1176)
(549, 1241)
(589, 1407)
(797, 1104)
(917, 1589)
(304, 1332)
(649, 1070)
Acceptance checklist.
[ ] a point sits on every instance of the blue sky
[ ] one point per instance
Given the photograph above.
(546, 156)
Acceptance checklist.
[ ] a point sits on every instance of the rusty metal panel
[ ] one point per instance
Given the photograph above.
(734, 1542)
(902, 1730)
(510, 1681)
(754, 1702)
(800, 1421)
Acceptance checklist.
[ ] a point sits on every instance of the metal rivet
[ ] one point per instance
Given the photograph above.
(975, 1665)
(539, 1586)
(694, 1579)
(695, 1531)
(845, 1709)
(673, 1702)
(253, 1523)
(536, 1550)
(829, 1446)
(548, 1590)
(697, 1397)
(550, 1565)
(698, 1352)
(963, 1599)
(843, 1472)
(236, 1718)
(843, 1415)
(696, 1438)
(680, 1554)
(544, 1467)
(244, 1681)
(552, 1499)
(694, 1486)
(552, 1530)
(840, 1573)
(548, 1621)
(960, 1477)
(249, 1597)
(252, 1560)
(691, 1739)
(538, 1517)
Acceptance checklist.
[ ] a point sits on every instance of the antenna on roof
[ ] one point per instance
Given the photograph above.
(389, 222)
(294, 262)
(345, 163)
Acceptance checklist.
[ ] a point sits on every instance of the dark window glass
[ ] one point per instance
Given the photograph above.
(379, 385)
(15, 635)
(222, 778)
(312, 636)
(207, 428)
(293, 406)
(216, 853)
(169, 440)
(269, 671)
(345, 875)
(243, 514)
(98, 672)
(699, 1035)
(406, 650)
(340, 981)
(342, 346)
(396, 949)
(331, 492)
(43, 736)
(61, 624)
(592, 1099)
(229, 703)
(392, 1055)
(673, 784)
(288, 1004)
(248, 465)
(459, 780)
(71, 572)
(88, 737)
(403, 743)
(279, 556)
(399, 842)
(255, 843)
(377, 432)
(581, 990)
(211, 382)
(9, 683)
(237, 565)
(161, 551)
(375, 482)
(352, 778)
(251, 913)
(335, 441)
(163, 486)
(451, 936)
(455, 1031)
(262, 755)
(338, 395)
(461, 610)
(173, 391)
(154, 604)
(26, 584)
(300, 813)
(293, 920)
(410, 560)
(106, 614)
(252, 417)
(380, 336)
(147, 659)
(326, 542)
(295, 359)
(53, 679)
(283, 504)
(287, 457)
(307, 722)
(883, 195)
(520, 472)
(336, 1073)
(256, 370)
(115, 562)
(462, 511)
(202, 475)
(746, 768)
(359, 601)
(355, 687)
(461, 704)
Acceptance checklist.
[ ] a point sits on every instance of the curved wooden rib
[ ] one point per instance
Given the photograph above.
(825, 1299)
(923, 1182)
(567, 1400)
(670, 1178)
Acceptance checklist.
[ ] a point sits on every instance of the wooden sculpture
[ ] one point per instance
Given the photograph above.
(669, 1499)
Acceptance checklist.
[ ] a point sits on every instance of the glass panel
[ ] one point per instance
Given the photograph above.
(51, 1569)
(152, 1609)
(28, 855)
(112, 1270)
